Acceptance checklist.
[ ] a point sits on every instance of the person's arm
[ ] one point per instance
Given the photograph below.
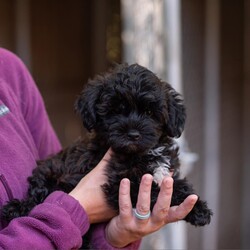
(57, 223)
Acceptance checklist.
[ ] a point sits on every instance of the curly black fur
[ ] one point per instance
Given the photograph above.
(136, 114)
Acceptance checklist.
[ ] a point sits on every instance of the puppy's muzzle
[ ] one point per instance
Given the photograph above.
(134, 135)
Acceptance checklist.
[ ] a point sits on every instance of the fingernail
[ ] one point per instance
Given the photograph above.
(125, 181)
(148, 177)
(194, 198)
(168, 182)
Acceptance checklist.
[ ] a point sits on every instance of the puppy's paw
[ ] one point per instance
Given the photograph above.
(200, 214)
(11, 210)
(16, 208)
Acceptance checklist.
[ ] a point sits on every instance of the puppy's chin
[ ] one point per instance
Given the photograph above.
(130, 148)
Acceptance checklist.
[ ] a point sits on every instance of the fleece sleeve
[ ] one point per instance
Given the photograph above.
(58, 223)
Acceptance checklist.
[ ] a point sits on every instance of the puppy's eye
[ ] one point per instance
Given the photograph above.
(120, 108)
(148, 112)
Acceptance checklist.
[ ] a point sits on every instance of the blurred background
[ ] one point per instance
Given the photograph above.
(201, 47)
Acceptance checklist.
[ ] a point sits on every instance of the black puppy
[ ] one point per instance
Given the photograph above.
(136, 114)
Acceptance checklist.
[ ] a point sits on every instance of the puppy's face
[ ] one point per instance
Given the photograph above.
(131, 109)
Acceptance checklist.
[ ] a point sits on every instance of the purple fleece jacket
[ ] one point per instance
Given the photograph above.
(26, 135)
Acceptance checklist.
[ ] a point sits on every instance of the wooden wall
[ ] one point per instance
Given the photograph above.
(63, 43)
(232, 158)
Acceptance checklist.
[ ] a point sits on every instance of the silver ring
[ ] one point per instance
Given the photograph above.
(141, 216)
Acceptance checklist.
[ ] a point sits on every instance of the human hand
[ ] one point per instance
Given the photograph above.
(90, 195)
(126, 228)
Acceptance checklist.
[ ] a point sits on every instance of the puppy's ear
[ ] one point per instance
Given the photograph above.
(85, 105)
(176, 112)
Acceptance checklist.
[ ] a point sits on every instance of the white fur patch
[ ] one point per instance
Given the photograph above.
(159, 174)
(174, 146)
(161, 166)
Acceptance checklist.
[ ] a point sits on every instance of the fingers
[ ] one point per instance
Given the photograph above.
(125, 205)
(134, 226)
(163, 213)
(162, 205)
(180, 212)
(143, 200)
(144, 196)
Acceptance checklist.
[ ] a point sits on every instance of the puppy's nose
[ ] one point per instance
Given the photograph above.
(134, 135)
